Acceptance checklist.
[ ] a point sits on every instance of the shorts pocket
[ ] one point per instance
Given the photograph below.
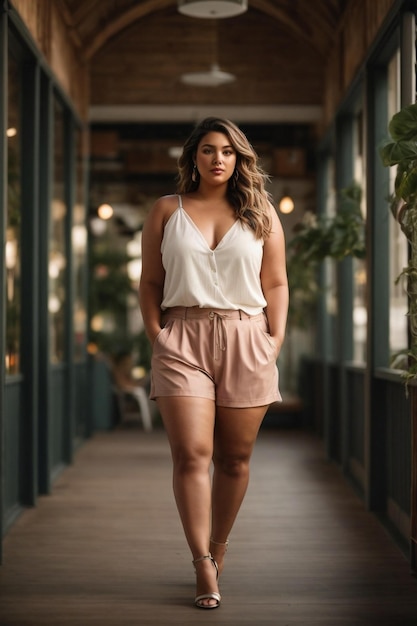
(271, 344)
(266, 338)
(270, 341)
(162, 336)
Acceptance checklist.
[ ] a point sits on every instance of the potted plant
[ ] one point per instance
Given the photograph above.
(318, 238)
(401, 151)
(315, 239)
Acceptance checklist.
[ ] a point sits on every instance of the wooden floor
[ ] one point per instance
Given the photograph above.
(107, 548)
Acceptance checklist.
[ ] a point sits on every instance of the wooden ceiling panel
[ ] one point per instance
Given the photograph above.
(138, 49)
(143, 64)
(97, 21)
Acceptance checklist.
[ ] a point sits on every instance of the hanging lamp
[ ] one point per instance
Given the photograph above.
(212, 8)
(214, 77)
(286, 204)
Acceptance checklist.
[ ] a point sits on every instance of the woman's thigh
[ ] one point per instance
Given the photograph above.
(189, 424)
(236, 431)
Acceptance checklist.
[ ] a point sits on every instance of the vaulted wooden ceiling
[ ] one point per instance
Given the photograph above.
(137, 51)
(95, 22)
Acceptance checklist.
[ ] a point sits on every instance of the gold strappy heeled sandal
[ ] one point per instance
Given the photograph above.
(221, 543)
(220, 556)
(213, 595)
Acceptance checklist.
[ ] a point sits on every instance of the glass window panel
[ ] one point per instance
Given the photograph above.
(57, 248)
(330, 266)
(79, 246)
(359, 265)
(360, 314)
(398, 245)
(13, 220)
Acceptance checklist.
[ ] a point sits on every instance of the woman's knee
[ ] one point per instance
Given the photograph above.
(191, 460)
(234, 465)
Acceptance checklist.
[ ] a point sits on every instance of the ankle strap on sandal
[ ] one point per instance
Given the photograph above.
(204, 558)
(207, 557)
(220, 543)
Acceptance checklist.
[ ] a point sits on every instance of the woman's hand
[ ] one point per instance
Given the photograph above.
(274, 281)
(153, 275)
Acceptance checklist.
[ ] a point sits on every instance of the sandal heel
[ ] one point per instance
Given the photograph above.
(213, 595)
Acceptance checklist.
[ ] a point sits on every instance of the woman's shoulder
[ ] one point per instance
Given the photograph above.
(167, 203)
(165, 206)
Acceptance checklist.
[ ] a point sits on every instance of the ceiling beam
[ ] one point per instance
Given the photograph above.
(310, 114)
(299, 22)
(296, 22)
(121, 21)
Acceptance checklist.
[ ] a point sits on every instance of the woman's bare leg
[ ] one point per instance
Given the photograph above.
(189, 423)
(235, 435)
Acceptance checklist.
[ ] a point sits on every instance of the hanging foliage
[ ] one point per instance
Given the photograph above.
(401, 150)
(316, 239)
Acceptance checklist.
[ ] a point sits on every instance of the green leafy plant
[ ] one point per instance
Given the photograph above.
(109, 291)
(401, 150)
(318, 238)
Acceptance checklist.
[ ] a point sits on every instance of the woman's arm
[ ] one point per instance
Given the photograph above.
(152, 280)
(274, 281)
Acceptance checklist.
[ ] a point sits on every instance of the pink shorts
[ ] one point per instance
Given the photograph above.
(225, 356)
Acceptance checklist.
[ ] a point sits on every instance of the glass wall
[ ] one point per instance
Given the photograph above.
(398, 245)
(79, 248)
(13, 220)
(57, 248)
(359, 265)
(329, 265)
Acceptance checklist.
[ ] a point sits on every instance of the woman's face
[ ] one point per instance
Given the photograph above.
(215, 158)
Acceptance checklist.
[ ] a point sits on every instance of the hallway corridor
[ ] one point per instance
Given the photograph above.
(107, 547)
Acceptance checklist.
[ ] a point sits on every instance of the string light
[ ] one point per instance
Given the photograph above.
(286, 204)
(105, 211)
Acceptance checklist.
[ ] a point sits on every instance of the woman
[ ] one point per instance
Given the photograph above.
(214, 299)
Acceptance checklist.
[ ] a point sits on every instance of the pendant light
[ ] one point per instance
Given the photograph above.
(212, 8)
(286, 203)
(214, 77)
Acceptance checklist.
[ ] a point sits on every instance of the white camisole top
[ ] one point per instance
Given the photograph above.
(227, 277)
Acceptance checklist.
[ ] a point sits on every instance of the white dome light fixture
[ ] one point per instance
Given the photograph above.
(212, 8)
(213, 78)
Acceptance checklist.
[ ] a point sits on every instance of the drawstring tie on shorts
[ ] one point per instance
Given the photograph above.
(217, 317)
(219, 333)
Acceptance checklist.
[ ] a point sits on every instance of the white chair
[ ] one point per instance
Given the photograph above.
(134, 405)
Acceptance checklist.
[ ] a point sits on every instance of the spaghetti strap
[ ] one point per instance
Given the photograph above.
(179, 201)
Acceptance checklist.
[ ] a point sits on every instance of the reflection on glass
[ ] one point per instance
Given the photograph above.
(360, 315)
(57, 251)
(79, 247)
(13, 219)
(329, 265)
(398, 245)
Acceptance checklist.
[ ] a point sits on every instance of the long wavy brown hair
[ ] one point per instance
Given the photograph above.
(246, 188)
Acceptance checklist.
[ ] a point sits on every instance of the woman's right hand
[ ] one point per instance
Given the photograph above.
(152, 338)
(153, 274)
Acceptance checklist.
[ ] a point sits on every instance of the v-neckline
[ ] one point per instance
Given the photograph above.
(194, 225)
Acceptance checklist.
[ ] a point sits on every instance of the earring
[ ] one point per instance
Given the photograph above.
(194, 174)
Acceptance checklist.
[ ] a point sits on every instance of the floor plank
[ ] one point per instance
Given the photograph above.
(107, 547)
